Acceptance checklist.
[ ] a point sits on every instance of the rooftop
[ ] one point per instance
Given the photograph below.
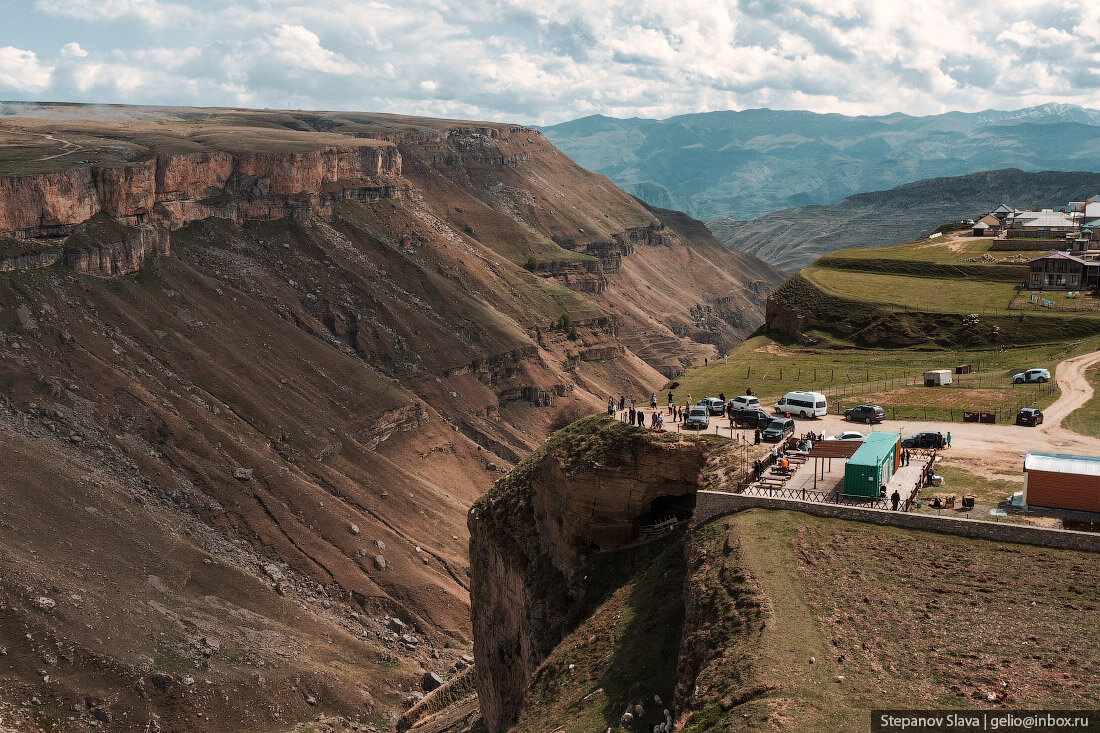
(1062, 463)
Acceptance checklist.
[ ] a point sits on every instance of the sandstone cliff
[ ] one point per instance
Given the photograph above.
(590, 489)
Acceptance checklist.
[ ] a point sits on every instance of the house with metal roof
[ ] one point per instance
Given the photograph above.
(1063, 271)
(1062, 481)
(1045, 224)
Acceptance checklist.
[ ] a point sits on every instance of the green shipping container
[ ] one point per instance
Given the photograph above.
(872, 465)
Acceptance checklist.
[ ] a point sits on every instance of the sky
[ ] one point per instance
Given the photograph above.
(543, 61)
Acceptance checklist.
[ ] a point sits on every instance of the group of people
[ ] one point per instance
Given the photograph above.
(635, 415)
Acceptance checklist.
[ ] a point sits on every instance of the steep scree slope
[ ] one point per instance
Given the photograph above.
(254, 367)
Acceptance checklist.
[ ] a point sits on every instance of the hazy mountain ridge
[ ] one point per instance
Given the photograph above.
(744, 164)
(793, 238)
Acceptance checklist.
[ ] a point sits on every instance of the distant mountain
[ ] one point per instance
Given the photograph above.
(793, 238)
(744, 164)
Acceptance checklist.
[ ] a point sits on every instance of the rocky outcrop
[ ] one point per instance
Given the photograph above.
(590, 489)
(399, 419)
(176, 189)
(169, 192)
(583, 276)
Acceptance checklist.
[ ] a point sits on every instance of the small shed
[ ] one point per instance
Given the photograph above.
(1062, 481)
(937, 377)
(872, 465)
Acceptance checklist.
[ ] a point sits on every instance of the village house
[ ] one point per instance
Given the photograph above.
(1063, 271)
(1044, 224)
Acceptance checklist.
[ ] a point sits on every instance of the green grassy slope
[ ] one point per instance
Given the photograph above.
(857, 617)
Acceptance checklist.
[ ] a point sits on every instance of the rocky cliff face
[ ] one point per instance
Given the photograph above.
(171, 191)
(590, 489)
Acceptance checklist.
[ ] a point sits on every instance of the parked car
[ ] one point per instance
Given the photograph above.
(865, 414)
(744, 402)
(803, 404)
(1029, 416)
(697, 419)
(924, 440)
(778, 429)
(714, 405)
(850, 435)
(752, 418)
(1031, 375)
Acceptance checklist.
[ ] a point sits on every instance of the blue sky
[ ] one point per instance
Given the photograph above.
(535, 61)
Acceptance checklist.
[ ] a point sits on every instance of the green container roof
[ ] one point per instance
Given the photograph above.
(876, 447)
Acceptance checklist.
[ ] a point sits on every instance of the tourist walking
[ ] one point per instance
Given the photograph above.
(610, 405)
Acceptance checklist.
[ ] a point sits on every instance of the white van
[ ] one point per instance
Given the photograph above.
(802, 404)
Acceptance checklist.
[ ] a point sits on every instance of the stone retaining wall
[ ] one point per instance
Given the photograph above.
(710, 504)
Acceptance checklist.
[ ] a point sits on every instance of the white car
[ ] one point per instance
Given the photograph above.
(1031, 375)
(714, 405)
(744, 402)
(848, 435)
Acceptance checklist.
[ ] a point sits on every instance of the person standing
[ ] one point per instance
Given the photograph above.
(895, 499)
(632, 413)
(756, 438)
(610, 405)
(653, 400)
(948, 438)
(622, 402)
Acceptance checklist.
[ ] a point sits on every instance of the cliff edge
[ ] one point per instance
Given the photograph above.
(592, 488)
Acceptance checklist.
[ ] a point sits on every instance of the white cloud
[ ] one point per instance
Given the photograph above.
(301, 48)
(149, 11)
(549, 60)
(20, 70)
(73, 50)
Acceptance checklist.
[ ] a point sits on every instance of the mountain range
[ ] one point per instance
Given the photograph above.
(743, 164)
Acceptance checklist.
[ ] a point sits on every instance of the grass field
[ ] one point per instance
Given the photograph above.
(857, 617)
(954, 295)
(889, 377)
(947, 250)
(1086, 419)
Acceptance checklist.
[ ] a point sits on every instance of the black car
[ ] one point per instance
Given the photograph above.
(1029, 416)
(924, 440)
(751, 418)
(865, 414)
(778, 429)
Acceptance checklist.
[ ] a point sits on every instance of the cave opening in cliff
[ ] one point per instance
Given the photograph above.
(665, 511)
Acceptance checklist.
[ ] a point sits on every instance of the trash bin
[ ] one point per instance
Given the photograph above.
(968, 502)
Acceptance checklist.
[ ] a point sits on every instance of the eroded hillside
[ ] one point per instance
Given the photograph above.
(255, 367)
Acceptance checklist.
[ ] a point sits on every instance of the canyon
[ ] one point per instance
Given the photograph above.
(255, 367)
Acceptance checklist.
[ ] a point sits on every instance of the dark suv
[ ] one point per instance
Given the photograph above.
(865, 414)
(751, 418)
(924, 440)
(778, 429)
(1029, 416)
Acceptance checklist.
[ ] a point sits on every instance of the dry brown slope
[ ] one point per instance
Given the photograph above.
(369, 359)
